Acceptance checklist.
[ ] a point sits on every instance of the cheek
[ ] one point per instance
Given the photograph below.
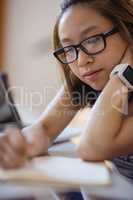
(112, 55)
(74, 69)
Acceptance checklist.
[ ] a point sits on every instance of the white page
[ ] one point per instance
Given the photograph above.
(72, 172)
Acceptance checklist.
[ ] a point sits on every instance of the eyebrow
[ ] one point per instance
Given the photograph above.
(83, 32)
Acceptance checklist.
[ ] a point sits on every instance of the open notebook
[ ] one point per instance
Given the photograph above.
(59, 171)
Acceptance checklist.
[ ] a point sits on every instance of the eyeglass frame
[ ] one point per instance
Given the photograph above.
(79, 46)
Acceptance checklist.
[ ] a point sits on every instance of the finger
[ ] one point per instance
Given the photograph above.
(8, 163)
(17, 140)
(8, 157)
(12, 149)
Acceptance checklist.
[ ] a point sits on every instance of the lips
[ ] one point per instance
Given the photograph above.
(92, 75)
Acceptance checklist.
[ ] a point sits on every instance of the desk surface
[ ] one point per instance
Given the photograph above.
(121, 188)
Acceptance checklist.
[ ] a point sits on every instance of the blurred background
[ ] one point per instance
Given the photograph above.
(26, 28)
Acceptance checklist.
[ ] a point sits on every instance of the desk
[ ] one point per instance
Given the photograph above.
(120, 188)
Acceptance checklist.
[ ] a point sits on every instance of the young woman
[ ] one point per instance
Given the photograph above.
(91, 39)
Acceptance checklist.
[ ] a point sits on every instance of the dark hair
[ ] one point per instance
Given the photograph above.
(120, 12)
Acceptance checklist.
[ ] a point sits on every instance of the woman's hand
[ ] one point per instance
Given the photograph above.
(17, 146)
(13, 148)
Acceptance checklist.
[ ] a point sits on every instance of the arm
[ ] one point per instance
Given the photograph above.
(55, 118)
(100, 138)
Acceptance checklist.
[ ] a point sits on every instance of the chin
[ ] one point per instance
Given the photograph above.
(98, 87)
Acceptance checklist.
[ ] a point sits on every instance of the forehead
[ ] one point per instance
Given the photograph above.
(77, 19)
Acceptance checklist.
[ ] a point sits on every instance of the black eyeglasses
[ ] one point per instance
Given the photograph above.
(91, 46)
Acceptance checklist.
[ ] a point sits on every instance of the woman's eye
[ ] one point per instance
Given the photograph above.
(93, 40)
(66, 50)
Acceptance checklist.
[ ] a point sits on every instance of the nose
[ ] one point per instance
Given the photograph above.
(84, 58)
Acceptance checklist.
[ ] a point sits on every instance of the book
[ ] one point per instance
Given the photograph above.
(67, 134)
(59, 171)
